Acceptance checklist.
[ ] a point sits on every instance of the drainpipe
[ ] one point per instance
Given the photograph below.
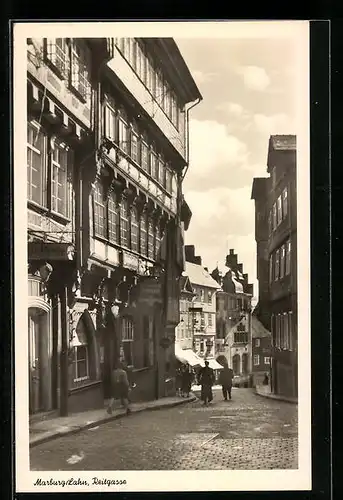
(195, 103)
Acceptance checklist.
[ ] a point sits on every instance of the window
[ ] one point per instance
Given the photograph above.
(168, 180)
(202, 346)
(256, 359)
(151, 249)
(257, 342)
(285, 202)
(113, 222)
(59, 179)
(57, 54)
(209, 319)
(143, 235)
(288, 257)
(267, 360)
(161, 172)
(202, 320)
(145, 157)
(99, 210)
(36, 176)
(271, 267)
(123, 133)
(110, 122)
(80, 359)
(286, 331)
(134, 230)
(274, 216)
(135, 146)
(154, 166)
(80, 76)
(209, 297)
(282, 261)
(127, 340)
(157, 241)
(124, 223)
(279, 210)
(202, 295)
(277, 264)
(151, 76)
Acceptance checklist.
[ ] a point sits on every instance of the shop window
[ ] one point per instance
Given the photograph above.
(57, 55)
(127, 340)
(80, 68)
(36, 164)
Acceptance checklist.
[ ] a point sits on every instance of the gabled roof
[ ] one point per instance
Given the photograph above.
(185, 285)
(257, 329)
(198, 276)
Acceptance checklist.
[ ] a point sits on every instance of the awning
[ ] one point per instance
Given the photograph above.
(214, 364)
(188, 356)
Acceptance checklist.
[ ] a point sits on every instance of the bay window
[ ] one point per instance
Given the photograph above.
(100, 225)
(151, 238)
(124, 223)
(127, 340)
(80, 68)
(60, 187)
(113, 218)
(36, 164)
(143, 234)
(134, 230)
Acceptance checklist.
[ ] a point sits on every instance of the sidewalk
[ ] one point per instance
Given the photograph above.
(265, 391)
(54, 427)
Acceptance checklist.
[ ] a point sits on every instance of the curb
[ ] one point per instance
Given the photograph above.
(105, 420)
(277, 398)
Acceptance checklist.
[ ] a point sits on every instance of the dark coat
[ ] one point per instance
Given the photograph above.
(226, 376)
(206, 376)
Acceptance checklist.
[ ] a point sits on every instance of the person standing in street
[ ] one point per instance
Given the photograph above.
(120, 388)
(225, 380)
(206, 379)
(187, 378)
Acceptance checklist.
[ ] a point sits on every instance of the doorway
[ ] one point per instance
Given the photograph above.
(235, 364)
(245, 364)
(36, 376)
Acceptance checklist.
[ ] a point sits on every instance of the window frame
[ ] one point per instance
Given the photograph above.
(256, 357)
(76, 361)
(282, 260)
(285, 202)
(57, 165)
(99, 201)
(57, 56)
(128, 327)
(124, 223)
(257, 342)
(80, 69)
(265, 360)
(288, 263)
(43, 174)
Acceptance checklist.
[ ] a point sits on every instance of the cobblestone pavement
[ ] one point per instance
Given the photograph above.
(248, 432)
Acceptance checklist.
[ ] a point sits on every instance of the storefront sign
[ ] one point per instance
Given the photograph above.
(150, 291)
(38, 250)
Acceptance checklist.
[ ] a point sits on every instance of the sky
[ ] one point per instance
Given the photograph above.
(248, 88)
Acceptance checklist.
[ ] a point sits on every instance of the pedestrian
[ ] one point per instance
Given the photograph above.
(266, 379)
(225, 380)
(178, 381)
(187, 378)
(206, 379)
(120, 387)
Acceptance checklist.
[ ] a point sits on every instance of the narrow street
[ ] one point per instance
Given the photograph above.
(248, 432)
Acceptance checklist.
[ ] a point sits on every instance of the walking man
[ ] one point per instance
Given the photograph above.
(206, 379)
(225, 379)
(120, 388)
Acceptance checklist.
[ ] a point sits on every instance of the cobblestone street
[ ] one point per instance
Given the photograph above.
(248, 432)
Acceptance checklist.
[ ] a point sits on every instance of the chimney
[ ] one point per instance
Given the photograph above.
(245, 277)
(231, 251)
(189, 253)
(231, 260)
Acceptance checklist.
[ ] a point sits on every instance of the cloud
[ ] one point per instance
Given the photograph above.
(201, 77)
(212, 148)
(279, 123)
(254, 77)
(232, 108)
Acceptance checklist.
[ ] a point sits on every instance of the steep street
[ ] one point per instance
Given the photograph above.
(248, 432)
